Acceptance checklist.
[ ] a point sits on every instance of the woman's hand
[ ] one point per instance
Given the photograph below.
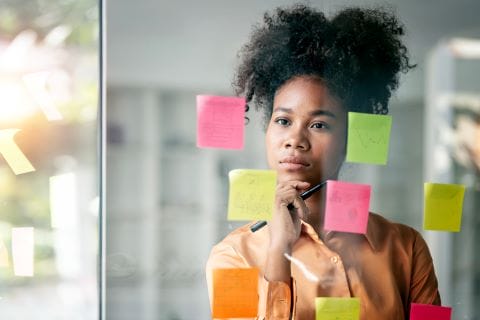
(285, 225)
(285, 229)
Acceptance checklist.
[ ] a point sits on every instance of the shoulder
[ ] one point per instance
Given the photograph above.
(383, 231)
(243, 242)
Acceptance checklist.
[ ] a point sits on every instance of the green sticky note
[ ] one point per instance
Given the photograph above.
(368, 137)
(251, 194)
(443, 206)
(337, 308)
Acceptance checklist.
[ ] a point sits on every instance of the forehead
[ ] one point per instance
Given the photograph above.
(305, 93)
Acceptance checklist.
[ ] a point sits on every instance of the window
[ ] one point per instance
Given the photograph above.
(49, 168)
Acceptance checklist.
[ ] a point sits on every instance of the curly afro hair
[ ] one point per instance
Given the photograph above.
(357, 53)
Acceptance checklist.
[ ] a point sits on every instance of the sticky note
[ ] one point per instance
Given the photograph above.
(420, 311)
(251, 194)
(12, 153)
(235, 293)
(22, 251)
(443, 205)
(347, 206)
(337, 308)
(368, 138)
(36, 83)
(63, 200)
(220, 122)
(4, 262)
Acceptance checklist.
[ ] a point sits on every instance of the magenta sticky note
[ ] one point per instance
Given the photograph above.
(220, 122)
(420, 311)
(347, 206)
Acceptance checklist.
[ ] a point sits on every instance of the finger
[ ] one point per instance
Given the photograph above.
(295, 184)
(300, 208)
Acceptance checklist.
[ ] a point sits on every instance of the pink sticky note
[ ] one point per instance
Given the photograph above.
(347, 206)
(429, 312)
(220, 122)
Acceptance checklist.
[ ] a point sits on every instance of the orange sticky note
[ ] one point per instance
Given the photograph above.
(235, 293)
(220, 122)
(12, 153)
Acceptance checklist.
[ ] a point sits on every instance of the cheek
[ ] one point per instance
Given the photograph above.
(270, 147)
(334, 152)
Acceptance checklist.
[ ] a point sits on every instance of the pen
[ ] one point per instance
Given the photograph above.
(305, 195)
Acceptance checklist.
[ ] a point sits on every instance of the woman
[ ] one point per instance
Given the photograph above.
(306, 72)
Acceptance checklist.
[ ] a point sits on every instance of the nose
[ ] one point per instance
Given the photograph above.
(297, 138)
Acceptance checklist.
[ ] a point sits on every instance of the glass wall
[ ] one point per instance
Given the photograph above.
(49, 52)
(167, 199)
(451, 155)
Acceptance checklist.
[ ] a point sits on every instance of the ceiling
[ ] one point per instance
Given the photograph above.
(192, 45)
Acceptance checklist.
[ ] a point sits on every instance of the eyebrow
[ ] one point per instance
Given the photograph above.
(318, 112)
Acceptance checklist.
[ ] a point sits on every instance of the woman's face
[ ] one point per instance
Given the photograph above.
(306, 135)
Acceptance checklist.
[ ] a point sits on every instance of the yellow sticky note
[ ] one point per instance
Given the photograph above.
(22, 251)
(251, 194)
(4, 262)
(337, 308)
(443, 206)
(368, 138)
(12, 153)
(235, 293)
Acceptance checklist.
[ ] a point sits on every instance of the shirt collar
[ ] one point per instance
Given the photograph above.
(372, 235)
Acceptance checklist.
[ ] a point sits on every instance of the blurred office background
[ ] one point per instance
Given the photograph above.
(167, 199)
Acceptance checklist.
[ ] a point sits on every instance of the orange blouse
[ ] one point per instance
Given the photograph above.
(387, 268)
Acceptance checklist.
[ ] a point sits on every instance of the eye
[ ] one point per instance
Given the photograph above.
(282, 121)
(320, 125)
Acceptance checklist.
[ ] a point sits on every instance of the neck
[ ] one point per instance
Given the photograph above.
(316, 206)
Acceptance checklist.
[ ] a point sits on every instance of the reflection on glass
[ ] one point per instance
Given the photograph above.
(48, 162)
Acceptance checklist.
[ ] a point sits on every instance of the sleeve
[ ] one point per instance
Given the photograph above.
(424, 285)
(274, 297)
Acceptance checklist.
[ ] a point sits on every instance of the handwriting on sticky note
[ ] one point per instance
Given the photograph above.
(443, 205)
(347, 206)
(12, 153)
(220, 122)
(235, 293)
(4, 261)
(337, 308)
(251, 194)
(420, 311)
(368, 138)
(22, 251)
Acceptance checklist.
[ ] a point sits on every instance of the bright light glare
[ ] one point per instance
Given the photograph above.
(15, 104)
(64, 218)
(36, 83)
(58, 35)
(16, 54)
(465, 48)
(4, 262)
(22, 251)
(63, 201)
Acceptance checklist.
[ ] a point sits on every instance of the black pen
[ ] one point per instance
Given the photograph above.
(305, 195)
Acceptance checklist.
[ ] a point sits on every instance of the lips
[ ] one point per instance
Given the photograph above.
(293, 163)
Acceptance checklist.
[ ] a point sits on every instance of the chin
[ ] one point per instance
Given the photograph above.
(289, 176)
